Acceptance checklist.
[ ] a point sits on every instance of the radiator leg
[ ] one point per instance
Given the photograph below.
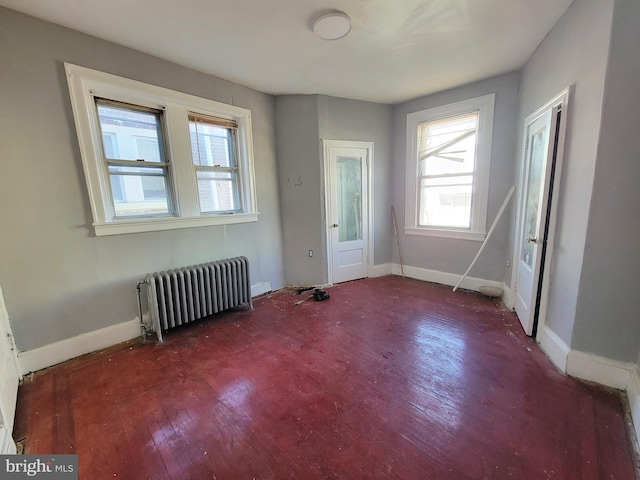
(143, 327)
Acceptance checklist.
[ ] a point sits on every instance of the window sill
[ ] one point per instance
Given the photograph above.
(120, 227)
(455, 234)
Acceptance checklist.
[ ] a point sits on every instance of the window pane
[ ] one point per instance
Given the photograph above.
(445, 202)
(139, 195)
(117, 188)
(148, 149)
(211, 145)
(138, 191)
(217, 191)
(448, 146)
(110, 145)
(349, 186)
(136, 133)
(532, 210)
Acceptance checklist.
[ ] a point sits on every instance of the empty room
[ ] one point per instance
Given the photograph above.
(352, 239)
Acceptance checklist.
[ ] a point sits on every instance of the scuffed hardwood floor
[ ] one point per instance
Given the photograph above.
(391, 378)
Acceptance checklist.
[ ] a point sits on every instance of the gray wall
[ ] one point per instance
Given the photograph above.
(452, 255)
(300, 174)
(303, 121)
(342, 119)
(58, 279)
(575, 53)
(608, 307)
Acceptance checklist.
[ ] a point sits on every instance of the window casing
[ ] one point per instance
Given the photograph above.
(142, 171)
(447, 169)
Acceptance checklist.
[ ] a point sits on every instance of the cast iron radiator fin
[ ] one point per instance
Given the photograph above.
(183, 295)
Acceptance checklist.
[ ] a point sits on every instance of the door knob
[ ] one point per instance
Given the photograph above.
(532, 240)
(335, 225)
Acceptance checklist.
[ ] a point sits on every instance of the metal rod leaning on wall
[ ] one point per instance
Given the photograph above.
(493, 226)
(395, 229)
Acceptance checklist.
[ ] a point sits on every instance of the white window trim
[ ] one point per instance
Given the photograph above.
(85, 84)
(485, 106)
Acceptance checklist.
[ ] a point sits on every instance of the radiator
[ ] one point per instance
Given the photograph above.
(183, 295)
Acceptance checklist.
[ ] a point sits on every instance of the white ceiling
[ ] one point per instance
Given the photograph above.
(397, 49)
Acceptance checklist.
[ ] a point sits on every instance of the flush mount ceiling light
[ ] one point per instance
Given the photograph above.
(332, 26)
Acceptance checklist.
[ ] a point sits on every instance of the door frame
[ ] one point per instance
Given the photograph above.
(540, 298)
(327, 144)
(7, 446)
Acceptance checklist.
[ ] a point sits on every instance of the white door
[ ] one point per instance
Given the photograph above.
(8, 382)
(347, 171)
(540, 140)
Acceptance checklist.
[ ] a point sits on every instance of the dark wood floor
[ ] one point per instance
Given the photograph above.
(390, 378)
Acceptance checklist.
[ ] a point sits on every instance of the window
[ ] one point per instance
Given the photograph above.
(156, 159)
(448, 157)
(446, 161)
(213, 149)
(138, 171)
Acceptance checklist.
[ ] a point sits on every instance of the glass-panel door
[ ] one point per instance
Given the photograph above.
(349, 197)
(536, 149)
(347, 208)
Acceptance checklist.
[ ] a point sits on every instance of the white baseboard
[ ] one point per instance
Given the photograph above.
(444, 278)
(600, 370)
(620, 375)
(554, 347)
(507, 297)
(58, 352)
(633, 395)
(260, 289)
(381, 270)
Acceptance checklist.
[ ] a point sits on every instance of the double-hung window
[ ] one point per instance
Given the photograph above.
(214, 153)
(157, 159)
(135, 158)
(448, 157)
